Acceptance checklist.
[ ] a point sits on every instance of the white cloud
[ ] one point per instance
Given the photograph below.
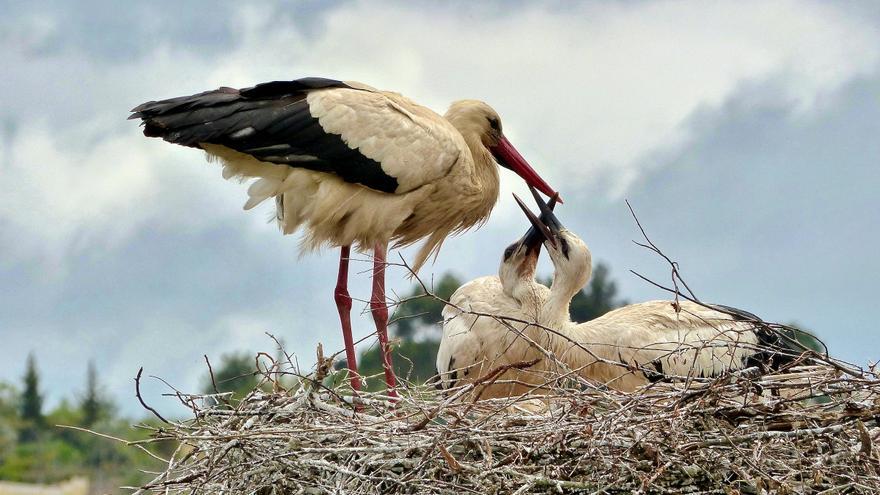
(65, 193)
(586, 91)
(56, 197)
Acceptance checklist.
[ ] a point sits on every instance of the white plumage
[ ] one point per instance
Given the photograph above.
(413, 144)
(655, 342)
(624, 349)
(472, 346)
(350, 165)
(485, 323)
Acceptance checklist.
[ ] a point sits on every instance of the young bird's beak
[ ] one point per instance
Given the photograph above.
(548, 218)
(539, 232)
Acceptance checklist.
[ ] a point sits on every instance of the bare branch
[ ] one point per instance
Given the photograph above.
(137, 391)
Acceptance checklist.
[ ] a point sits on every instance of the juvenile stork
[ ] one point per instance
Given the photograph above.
(474, 342)
(645, 342)
(350, 165)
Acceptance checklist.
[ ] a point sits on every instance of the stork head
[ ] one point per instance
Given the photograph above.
(520, 258)
(476, 118)
(570, 255)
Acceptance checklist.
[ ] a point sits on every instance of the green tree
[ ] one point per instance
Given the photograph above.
(420, 309)
(9, 399)
(31, 406)
(93, 406)
(53, 453)
(235, 373)
(414, 361)
(9, 420)
(598, 298)
(69, 415)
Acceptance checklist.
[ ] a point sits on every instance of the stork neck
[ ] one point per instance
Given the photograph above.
(592, 337)
(556, 310)
(485, 168)
(530, 297)
(567, 282)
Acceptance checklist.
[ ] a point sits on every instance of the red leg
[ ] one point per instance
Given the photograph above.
(343, 304)
(380, 316)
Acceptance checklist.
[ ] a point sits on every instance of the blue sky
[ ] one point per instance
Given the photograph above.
(744, 134)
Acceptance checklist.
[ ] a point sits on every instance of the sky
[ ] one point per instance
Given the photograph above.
(744, 134)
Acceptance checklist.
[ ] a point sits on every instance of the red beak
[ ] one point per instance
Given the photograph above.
(508, 157)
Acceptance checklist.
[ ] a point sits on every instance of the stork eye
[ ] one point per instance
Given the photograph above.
(509, 251)
(494, 124)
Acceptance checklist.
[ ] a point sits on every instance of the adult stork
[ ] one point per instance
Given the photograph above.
(645, 342)
(351, 165)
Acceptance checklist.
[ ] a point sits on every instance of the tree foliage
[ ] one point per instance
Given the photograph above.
(9, 419)
(31, 404)
(420, 310)
(34, 449)
(598, 298)
(414, 361)
(93, 406)
(805, 338)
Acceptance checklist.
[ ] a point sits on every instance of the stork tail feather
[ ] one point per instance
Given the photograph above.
(261, 190)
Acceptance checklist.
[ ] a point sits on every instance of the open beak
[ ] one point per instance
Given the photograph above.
(539, 232)
(508, 157)
(548, 218)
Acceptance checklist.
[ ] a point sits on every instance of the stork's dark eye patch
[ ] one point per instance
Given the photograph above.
(509, 251)
(494, 124)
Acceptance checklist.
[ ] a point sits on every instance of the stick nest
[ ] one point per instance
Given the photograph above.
(811, 428)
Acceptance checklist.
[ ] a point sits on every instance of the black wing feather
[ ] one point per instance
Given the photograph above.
(776, 349)
(270, 121)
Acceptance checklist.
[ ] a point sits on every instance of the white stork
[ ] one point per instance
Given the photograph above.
(350, 165)
(651, 341)
(474, 341)
(624, 349)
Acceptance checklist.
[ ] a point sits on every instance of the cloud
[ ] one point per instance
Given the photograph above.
(632, 76)
(763, 212)
(136, 252)
(591, 89)
(55, 198)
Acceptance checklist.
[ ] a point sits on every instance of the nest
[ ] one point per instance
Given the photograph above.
(810, 428)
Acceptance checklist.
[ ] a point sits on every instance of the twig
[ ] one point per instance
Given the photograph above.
(137, 391)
